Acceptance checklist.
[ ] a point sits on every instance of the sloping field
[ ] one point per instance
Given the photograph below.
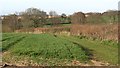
(45, 49)
(50, 49)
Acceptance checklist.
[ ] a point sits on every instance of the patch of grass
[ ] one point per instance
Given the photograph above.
(47, 46)
(105, 51)
(47, 49)
(10, 41)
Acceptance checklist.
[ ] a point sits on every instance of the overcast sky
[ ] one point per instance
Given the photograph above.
(60, 6)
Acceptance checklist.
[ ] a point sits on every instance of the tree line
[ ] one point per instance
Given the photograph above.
(34, 18)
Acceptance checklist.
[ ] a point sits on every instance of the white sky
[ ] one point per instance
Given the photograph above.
(60, 6)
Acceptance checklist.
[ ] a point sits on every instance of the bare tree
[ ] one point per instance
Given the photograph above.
(33, 11)
(35, 15)
(11, 22)
(78, 18)
(26, 22)
(53, 13)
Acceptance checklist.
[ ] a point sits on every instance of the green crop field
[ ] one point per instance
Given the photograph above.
(50, 49)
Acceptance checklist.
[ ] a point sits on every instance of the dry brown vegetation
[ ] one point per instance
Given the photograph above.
(101, 31)
(45, 30)
(97, 31)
